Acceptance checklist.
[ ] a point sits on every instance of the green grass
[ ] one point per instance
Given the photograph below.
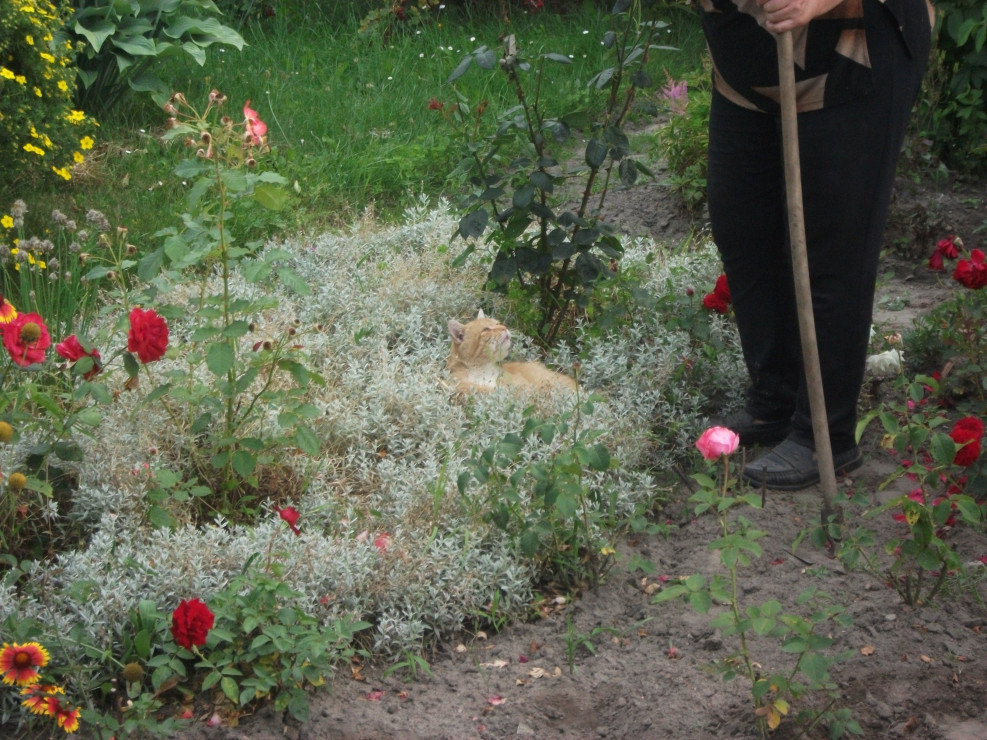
(348, 113)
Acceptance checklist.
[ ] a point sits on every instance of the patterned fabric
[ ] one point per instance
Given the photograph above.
(832, 64)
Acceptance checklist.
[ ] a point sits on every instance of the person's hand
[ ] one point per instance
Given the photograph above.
(787, 15)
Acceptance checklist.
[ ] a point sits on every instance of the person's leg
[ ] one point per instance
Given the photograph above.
(747, 216)
(849, 154)
(848, 157)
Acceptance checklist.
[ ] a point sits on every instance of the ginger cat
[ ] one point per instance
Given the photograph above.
(476, 360)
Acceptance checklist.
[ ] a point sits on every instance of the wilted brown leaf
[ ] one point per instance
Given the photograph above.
(867, 650)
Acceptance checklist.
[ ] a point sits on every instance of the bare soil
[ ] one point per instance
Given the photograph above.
(611, 664)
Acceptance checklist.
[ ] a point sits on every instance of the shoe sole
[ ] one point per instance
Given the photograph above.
(847, 467)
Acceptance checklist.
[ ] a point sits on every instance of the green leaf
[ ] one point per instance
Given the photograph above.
(473, 224)
(943, 449)
(131, 365)
(596, 153)
(230, 688)
(244, 463)
(560, 58)
(270, 196)
(219, 358)
(159, 517)
(815, 667)
(96, 32)
(293, 281)
(701, 601)
(460, 69)
(307, 441)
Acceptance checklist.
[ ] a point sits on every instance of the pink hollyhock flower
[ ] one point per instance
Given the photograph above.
(716, 442)
(290, 515)
(191, 622)
(256, 128)
(26, 338)
(148, 335)
(971, 273)
(73, 351)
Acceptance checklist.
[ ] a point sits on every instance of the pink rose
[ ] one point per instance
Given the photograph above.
(718, 441)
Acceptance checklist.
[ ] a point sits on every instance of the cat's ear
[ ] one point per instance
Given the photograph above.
(479, 314)
(457, 331)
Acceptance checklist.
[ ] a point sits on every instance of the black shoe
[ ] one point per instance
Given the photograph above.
(753, 431)
(791, 467)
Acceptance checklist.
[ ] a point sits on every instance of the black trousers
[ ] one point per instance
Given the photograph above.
(848, 156)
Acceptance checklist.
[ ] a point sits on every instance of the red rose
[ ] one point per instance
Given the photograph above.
(936, 263)
(947, 247)
(967, 432)
(72, 350)
(715, 303)
(148, 335)
(190, 623)
(721, 288)
(290, 516)
(26, 338)
(719, 299)
(971, 273)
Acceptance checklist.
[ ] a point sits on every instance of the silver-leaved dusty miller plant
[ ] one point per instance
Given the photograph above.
(395, 439)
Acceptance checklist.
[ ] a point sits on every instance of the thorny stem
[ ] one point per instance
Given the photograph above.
(734, 602)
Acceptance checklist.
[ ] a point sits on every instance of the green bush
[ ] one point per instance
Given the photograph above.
(39, 130)
(120, 43)
(954, 103)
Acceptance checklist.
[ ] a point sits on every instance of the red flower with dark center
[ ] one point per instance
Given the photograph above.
(26, 338)
(19, 663)
(73, 351)
(191, 622)
(148, 335)
(290, 516)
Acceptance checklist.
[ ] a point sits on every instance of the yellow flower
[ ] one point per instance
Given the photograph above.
(47, 57)
(20, 80)
(7, 222)
(63, 86)
(29, 39)
(37, 91)
(86, 142)
(6, 73)
(34, 149)
(65, 175)
(78, 157)
(76, 116)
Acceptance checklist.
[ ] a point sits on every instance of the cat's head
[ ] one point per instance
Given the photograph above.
(481, 341)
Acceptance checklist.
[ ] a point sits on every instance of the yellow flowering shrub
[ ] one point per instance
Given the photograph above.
(40, 130)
